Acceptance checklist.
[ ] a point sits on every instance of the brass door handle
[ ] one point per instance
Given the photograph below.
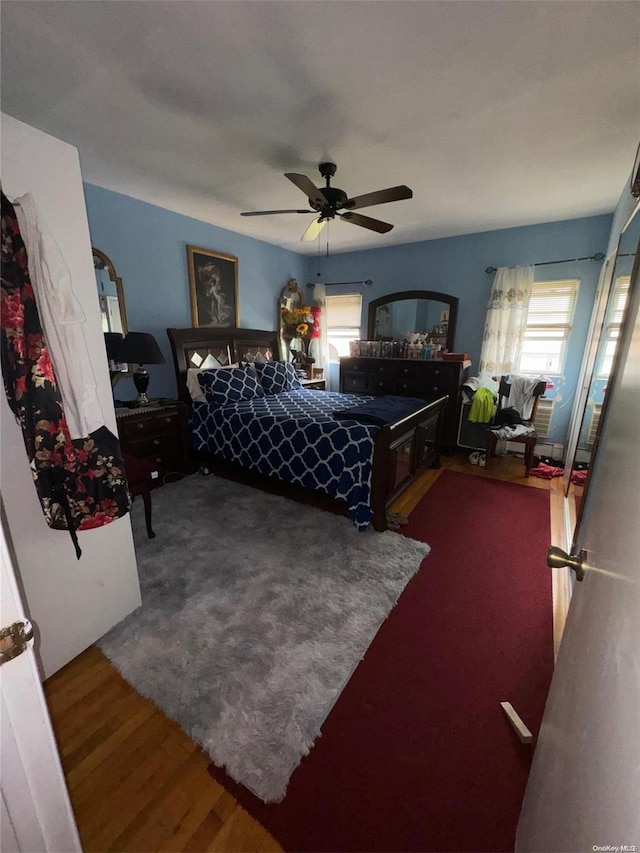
(557, 558)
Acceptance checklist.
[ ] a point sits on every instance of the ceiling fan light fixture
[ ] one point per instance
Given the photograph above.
(314, 229)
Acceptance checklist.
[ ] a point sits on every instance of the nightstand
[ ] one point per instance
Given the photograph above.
(158, 433)
(314, 384)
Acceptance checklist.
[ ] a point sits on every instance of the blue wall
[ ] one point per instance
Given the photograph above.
(456, 265)
(147, 246)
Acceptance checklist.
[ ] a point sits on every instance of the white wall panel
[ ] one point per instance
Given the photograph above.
(72, 602)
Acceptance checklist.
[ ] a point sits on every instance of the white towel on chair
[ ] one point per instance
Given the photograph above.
(521, 394)
(508, 432)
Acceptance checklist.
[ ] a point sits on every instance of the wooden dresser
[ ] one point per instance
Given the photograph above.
(157, 432)
(407, 378)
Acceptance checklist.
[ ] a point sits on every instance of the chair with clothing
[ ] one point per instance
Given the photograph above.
(518, 398)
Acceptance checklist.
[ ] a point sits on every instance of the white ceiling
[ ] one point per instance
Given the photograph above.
(494, 113)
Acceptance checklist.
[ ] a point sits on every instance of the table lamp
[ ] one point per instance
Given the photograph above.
(113, 342)
(140, 348)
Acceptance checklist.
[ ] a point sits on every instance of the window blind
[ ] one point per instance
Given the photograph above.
(612, 331)
(620, 295)
(343, 322)
(549, 318)
(343, 312)
(552, 303)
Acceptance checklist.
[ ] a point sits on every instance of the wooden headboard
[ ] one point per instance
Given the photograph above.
(190, 348)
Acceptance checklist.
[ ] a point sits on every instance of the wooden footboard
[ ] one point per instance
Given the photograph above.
(402, 451)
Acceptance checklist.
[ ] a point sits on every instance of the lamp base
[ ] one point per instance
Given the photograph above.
(141, 381)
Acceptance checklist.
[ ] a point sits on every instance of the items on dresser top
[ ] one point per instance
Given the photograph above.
(157, 432)
(412, 351)
(428, 380)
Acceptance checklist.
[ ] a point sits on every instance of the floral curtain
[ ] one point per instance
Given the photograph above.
(506, 321)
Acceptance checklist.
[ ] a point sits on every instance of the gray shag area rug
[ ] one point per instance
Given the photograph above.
(256, 611)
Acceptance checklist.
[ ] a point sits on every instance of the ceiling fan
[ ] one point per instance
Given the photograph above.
(328, 201)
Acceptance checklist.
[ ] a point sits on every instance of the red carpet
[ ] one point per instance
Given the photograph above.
(417, 754)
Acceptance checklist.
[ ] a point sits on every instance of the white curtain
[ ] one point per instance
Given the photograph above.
(318, 347)
(506, 322)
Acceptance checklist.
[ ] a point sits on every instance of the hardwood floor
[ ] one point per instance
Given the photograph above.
(137, 782)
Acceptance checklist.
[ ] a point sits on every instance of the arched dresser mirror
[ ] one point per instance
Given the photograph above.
(599, 360)
(112, 305)
(392, 316)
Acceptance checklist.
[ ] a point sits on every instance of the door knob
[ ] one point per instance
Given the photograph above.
(557, 558)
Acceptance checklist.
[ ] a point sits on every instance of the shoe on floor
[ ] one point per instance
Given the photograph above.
(482, 460)
(474, 457)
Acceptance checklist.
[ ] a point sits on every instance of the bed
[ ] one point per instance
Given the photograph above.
(295, 442)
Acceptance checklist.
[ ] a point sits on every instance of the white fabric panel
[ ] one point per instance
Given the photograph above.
(62, 319)
(318, 347)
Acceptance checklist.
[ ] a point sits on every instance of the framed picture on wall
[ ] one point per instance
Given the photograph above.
(213, 286)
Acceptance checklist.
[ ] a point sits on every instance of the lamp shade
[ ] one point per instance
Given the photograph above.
(113, 342)
(140, 348)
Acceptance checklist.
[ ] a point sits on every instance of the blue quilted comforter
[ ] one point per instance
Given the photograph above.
(294, 437)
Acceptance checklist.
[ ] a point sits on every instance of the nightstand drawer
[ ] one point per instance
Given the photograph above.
(132, 427)
(159, 435)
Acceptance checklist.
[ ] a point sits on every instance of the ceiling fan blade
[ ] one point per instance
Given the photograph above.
(307, 186)
(378, 197)
(366, 222)
(269, 212)
(314, 229)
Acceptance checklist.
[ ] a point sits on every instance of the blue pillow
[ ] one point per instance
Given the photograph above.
(277, 376)
(230, 385)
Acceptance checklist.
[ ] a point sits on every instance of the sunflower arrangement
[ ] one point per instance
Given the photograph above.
(302, 322)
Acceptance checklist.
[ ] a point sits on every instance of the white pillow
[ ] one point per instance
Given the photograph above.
(193, 385)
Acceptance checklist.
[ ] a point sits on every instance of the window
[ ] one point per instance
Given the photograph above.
(549, 319)
(612, 330)
(343, 322)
